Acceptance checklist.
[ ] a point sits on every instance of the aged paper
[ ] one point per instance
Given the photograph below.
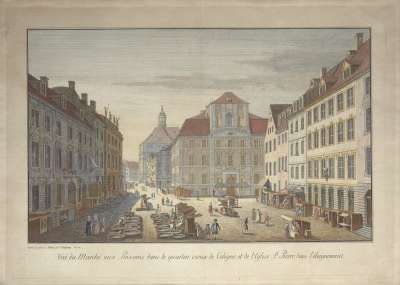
(374, 262)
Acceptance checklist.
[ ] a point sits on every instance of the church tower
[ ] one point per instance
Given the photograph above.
(162, 118)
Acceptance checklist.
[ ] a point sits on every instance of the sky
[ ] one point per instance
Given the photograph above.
(135, 71)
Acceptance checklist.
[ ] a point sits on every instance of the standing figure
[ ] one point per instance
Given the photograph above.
(215, 228)
(267, 219)
(259, 216)
(210, 209)
(88, 228)
(162, 201)
(96, 225)
(103, 225)
(246, 225)
(167, 201)
(208, 231)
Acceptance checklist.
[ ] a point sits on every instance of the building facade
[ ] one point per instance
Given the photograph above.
(131, 175)
(339, 155)
(65, 155)
(276, 148)
(155, 154)
(220, 151)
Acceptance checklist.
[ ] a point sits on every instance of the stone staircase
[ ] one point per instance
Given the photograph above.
(365, 231)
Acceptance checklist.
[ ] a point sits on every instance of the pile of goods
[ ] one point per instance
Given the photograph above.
(129, 226)
(165, 226)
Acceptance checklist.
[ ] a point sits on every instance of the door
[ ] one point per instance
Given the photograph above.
(368, 198)
(230, 185)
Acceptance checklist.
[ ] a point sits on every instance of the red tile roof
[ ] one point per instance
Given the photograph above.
(258, 125)
(229, 98)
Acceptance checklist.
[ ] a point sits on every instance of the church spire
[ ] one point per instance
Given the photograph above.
(162, 118)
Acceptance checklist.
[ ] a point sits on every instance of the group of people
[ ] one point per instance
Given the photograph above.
(212, 230)
(256, 216)
(166, 202)
(95, 225)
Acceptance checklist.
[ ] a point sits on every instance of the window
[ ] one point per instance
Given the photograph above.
(368, 161)
(339, 102)
(59, 194)
(296, 128)
(229, 120)
(35, 154)
(255, 159)
(47, 195)
(350, 97)
(80, 137)
(291, 149)
(323, 197)
(309, 194)
(302, 123)
(35, 197)
(309, 118)
(316, 139)
(204, 179)
(330, 198)
(291, 128)
(291, 172)
(203, 143)
(350, 167)
(324, 170)
(270, 146)
(316, 200)
(297, 148)
(316, 119)
(274, 144)
(331, 135)
(340, 166)
(266, 168)
(302, 172)
(340, 195)
(309, 141)
(368, 120)
(230, 159)
(274, 167)
(279, 164)
(297, 172)
(58, 158)
(350, 129)
(350, 200)
(302, 146)
(230, 143)
(70, 160)
(266, 147)
(47, 123)
(330, 107)
(309, 170)
(80, 162)
(316, 168)
(323, 137)
(47, 156)
(340, 132)
(191, 159)
(331, 167)
(35, 118)
(368, 85)
(58, 128)
(322, 111)
(70, 133)
(203, 160)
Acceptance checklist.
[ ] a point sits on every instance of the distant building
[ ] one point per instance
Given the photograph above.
(220, 151)
(155, 156)
(131, 174)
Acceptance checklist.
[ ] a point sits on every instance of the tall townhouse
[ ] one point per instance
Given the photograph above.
(220, 151)
(276, 148)
(338, 118)
(60, 155)
(297, 148)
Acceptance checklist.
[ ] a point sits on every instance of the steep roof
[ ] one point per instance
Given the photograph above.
(162, 135)
(276, 109)
(198, 125)
(229, 98)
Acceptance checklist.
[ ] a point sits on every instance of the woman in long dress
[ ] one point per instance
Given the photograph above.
(96, 225)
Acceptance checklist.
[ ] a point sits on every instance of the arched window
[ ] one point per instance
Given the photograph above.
(228, 120)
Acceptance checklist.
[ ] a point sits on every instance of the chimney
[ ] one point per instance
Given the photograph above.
(93, 105)
(84, 98)
(71, 85)
(323, 71)
(44, 83)
(359, 39)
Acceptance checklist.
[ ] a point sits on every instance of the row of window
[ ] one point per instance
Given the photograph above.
(325, 168)
(297, 172)
(297, 148)
(326, 109)
(324, 196)
(294, 126)
(326, 136)
(271, 167)
(203, 179)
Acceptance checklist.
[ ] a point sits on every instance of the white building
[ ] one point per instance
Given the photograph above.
(338, 136)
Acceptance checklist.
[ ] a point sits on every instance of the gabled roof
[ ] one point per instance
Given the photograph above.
(198, 125)
(162, 135)
(257, 124)
(276, 109)
(229, 98)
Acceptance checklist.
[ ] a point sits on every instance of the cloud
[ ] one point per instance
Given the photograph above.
(201, 81)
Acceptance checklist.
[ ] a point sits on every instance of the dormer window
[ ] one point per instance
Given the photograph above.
(346, 70)
(322, 88)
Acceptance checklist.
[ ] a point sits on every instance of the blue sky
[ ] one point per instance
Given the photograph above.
(135, 71)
